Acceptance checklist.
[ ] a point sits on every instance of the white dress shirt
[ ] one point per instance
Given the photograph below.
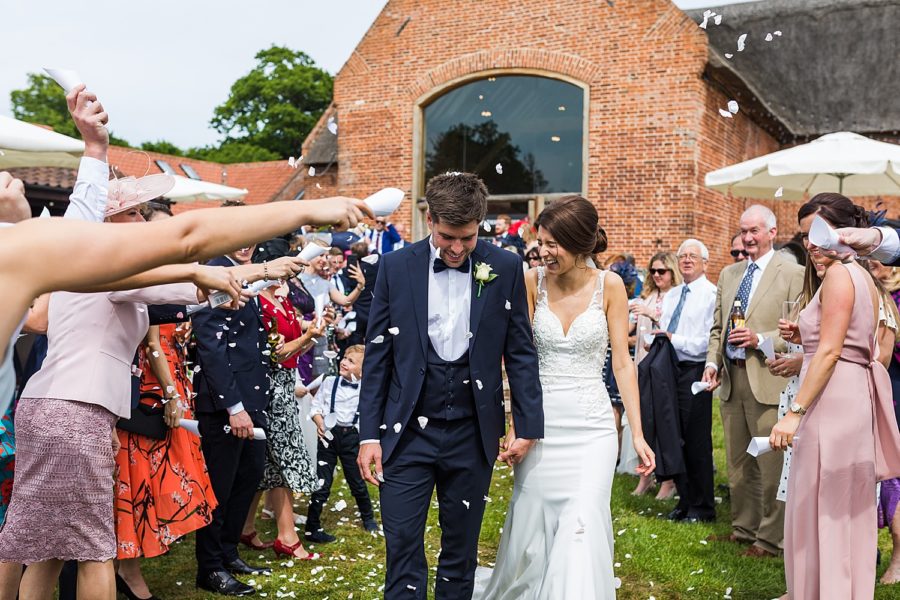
(449, 304)
(691, 337)
(762, 262)
(346, 401)
(889, 250)
(89, 196)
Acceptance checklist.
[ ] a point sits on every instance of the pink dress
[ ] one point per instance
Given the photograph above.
(847, 441)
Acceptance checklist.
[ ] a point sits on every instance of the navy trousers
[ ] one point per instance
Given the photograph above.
(446, 455)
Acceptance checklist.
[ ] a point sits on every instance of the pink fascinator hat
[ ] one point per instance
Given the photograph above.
(128, 192)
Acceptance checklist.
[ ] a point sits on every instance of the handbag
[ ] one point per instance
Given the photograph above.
(146, 420)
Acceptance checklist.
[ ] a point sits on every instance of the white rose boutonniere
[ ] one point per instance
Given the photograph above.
(483, 275)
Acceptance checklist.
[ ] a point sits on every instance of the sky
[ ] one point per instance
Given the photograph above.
(161, 68)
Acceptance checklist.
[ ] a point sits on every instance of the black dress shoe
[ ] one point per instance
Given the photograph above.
(318, 537)
(700, 520)
(239, 567)
(221, 582)
(370, 525)
(679, 514)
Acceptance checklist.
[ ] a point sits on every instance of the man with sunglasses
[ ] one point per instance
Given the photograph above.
(737, 248)
(383, 237)
(750, 393)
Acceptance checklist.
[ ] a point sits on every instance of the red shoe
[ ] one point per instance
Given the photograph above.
(285, 550)
(247, 540)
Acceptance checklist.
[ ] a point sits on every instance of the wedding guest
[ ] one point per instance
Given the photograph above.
(382, 237)
(533, 258)
(664, 274)
(842, 426)
(889, 495)
(687, 316)
(338, 401)
(288, 466)
(400, 228)
(162, 487)
(749, 392)
(737, 248)
(503, 236)
(363, 303)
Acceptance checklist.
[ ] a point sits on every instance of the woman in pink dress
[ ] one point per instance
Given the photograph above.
(841, 425)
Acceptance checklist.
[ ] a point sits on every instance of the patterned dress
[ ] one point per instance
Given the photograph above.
(288, 462)
(163, 490)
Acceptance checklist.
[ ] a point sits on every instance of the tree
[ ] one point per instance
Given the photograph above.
(232, 152)
(163, 147)
(275, 105)
(43, 102)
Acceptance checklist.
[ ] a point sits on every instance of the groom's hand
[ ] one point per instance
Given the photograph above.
(516, 451)
(369, 454)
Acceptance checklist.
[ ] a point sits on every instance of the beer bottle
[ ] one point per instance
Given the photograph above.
(738, 321)
(273, 338)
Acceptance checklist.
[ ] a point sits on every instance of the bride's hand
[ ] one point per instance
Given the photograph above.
(646, 456)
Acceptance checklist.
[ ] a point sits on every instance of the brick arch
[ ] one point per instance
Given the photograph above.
(456, 71)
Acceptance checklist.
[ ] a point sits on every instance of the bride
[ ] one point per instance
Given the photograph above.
(557, 540)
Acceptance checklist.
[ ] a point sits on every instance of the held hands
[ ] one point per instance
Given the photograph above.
(91, 120)
(514, 448)
(173, 412)
(241, 425)
(785, 365)
(369, 456)
(743, 337)
(211, 279)
(711, 376)
(789, 331)
(782, 435)
(646, 456)
(340, 213)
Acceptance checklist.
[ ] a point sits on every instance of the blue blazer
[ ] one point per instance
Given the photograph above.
(388, 239)
(229, 354)
(393, 370)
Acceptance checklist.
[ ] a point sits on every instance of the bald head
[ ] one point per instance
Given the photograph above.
(13, 205)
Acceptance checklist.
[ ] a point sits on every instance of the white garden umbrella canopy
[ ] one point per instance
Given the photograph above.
(843, 162)
(190, 190)
(26, 145)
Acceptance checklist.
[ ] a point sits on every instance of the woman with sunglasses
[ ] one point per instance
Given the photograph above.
(663, 276)
(737, 248)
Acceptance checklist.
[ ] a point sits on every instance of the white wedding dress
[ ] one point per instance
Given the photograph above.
(557, 541)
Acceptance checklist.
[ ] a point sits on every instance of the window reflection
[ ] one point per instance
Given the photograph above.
(531, 126)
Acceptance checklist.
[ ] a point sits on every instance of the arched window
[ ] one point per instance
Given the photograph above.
(522, 134)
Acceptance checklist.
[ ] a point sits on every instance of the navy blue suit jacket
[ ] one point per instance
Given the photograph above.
(229, 354)
(393, 370)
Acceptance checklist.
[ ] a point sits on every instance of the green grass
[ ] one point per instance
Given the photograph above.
(655, 557)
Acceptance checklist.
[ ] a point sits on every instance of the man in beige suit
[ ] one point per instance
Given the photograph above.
(750, 394)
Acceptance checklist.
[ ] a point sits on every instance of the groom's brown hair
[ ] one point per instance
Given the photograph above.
(456, 199)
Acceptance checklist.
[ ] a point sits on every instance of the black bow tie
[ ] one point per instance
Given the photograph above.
(349, 384)
(440, 266)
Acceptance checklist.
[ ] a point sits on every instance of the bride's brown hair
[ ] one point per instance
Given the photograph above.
(575, 224)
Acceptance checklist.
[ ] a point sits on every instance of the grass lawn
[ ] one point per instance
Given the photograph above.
(654, 558)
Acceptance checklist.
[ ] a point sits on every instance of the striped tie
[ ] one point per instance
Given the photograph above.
(676, 316)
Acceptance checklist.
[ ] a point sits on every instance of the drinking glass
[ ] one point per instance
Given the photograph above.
(790, 311)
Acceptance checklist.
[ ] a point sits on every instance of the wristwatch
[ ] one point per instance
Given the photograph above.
(797, 409)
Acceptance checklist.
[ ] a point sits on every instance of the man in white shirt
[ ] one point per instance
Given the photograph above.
(750, 394)
(687, 314)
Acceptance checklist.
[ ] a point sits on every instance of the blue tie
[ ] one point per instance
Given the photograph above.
(676, 316)
(743, 294)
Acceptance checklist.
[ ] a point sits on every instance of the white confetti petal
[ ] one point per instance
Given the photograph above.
(340, 505)
(778, 33)
(733, 107)
(617, 582)
(394, 330)
(383, 426)
(741, 41)
(227, 429)
(411, 587)
(486, 226)
(729, 55)
(311, 172)
(499, 168)
(397, 427)
(332, 126)
(378, 339)
(487, 498)
(779, 192)
(706, 15)
(469, 335)
(329, 354)
(466, 502)
(718, 20)
(725, 113)
(232, 344)
(478, 383)
(423, 421)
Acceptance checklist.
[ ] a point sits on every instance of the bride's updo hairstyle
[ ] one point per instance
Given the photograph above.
(837, 209)
(575, 225)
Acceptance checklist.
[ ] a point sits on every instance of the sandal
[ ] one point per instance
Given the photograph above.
(247, 540)
(282, 549)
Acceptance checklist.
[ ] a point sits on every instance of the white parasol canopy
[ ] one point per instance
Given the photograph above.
(26, 145)
(191, 190)
(842, 162)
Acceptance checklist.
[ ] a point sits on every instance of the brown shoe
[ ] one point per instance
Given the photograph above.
(755, 551)
(730, 538)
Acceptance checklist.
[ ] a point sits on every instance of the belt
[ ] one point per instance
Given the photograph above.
(738, 362)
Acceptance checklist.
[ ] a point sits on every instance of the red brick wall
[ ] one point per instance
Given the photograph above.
(654, 128)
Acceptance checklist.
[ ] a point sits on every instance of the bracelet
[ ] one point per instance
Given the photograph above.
(265, 271)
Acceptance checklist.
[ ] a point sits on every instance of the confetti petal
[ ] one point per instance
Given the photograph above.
(397, 427)
(329, 354)
(706, 15)
(378, 339)
(741, 41)
(466, 502)
(499, 168)
(478, 383)
(383, 426)
(340, 505)
(394, 330)
(733, 107)
(718, 20)
(423, 421)
(486, 226)
(332, 126)
(769, 37)
(725, 113)
(729, 55)
(311, 172)
(508, 305)
(779, 192)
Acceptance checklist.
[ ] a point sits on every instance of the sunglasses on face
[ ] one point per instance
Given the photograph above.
(658, 271)
(736, 253)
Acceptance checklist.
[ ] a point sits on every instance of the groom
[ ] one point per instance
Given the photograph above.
(447, 311)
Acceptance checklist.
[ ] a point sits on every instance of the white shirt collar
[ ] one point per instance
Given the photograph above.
(763, 261)
(696, 282)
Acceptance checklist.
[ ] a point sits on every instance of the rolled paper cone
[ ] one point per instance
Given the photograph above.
(218, 299)
(191, 426)
(648, 338)
(258, 286)
(259, 433)
(311, 251)
(320, 306)
(66, 78)
(45, 214)
(699, 386)
(824, 236)
(315, 383)
(759, 446)
(384, 202)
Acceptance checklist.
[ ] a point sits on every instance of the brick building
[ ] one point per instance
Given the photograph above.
(649, 84)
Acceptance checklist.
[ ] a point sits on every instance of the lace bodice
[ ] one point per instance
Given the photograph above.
(581, 353)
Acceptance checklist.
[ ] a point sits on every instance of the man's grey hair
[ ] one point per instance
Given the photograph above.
(704, 252)
(764, 212)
